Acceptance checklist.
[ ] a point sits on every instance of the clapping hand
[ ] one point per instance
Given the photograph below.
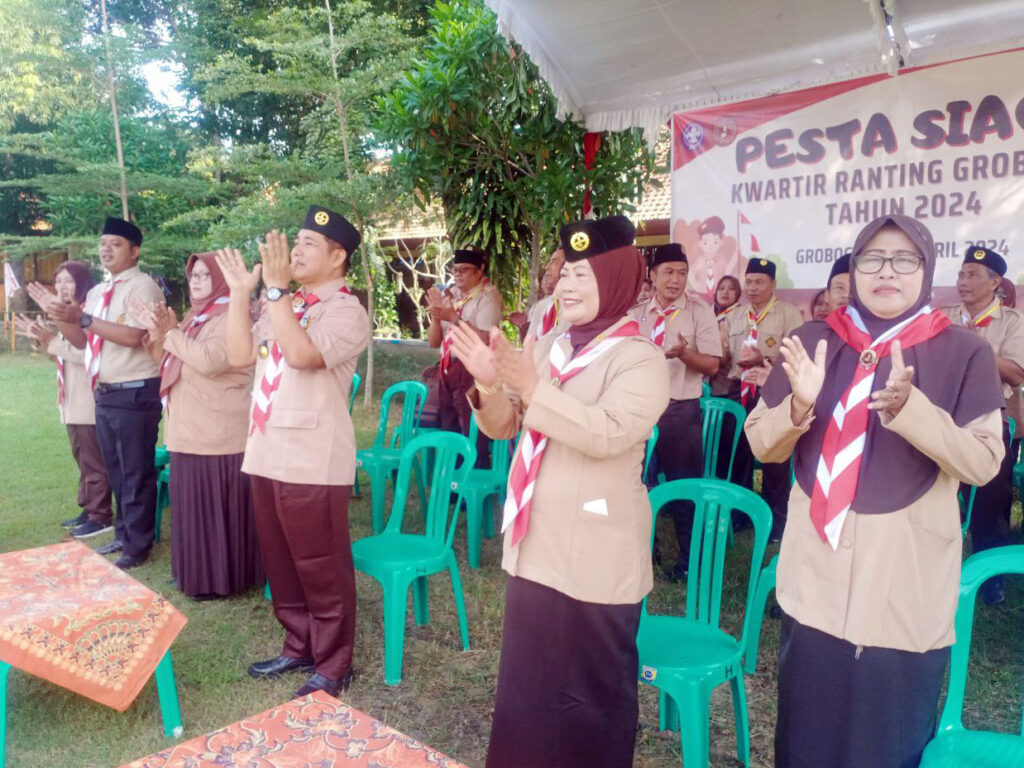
(677, 350)
(156, 318)
(276, 257)
(240, 280)
(34, 329)
(55, 309)
(439, 307)
(515, 368)
(806, 374)
(890, 401)
(474, 354)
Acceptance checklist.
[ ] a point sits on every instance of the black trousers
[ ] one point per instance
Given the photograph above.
(127, 421)
(775, 483)
(990, 517)
(679, 454)
(453, 407)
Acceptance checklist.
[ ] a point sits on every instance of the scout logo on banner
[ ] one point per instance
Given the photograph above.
(794, 177)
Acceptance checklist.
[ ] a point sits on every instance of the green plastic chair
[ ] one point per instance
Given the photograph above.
(715, 410)
(953, 745)
(705, 389)
(967, 507)
(163, 499)
(166, 689)
(687, 657)
(481, 484)
(400, 560)
(381, 460)
(652, 443)
(765, 587)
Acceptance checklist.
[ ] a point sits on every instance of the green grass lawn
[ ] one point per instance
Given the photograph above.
(446, 695)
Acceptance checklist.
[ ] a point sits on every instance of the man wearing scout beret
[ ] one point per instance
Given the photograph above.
(980, 311)
(125, 382)
(752, 337)
(686, 331)
(475, 302)
(838, 285)
(301, 447)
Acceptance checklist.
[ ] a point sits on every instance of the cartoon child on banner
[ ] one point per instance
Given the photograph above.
(712, 254)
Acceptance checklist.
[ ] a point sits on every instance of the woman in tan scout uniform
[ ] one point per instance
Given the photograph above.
(76, 406)
(980, 310)
(301, 447)
(577, 522)
(214, 552)
(893, 411)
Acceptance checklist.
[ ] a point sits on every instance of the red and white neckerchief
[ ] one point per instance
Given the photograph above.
(748, 389)
(93, 341)
(984, 319)
(263, 397)
(61, 391)
(190, 330)
(665, 316)
(523, 475)
(550, 319)
(835, 482)
(726, 312)
(447, 341)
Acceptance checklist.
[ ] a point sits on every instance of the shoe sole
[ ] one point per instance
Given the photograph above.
(93, 533)
(274, 675)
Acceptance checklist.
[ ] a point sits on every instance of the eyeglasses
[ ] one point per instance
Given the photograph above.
(199, 276)
(902, 262)
(464, 270)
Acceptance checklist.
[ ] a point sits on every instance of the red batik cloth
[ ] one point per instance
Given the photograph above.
(316, 730)
(69, 616)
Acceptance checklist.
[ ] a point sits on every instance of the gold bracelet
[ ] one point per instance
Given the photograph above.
(485, 390)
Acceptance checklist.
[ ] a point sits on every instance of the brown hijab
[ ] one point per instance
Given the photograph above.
(213, 305)
(955, 370)
(620, 275)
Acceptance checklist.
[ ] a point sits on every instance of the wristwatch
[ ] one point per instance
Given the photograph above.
(85, 320)
(273, 294)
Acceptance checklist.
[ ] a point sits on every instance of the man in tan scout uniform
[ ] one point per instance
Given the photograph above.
(125, 383)
(301, 447)
(1003, 328)
(477, 303)
(687, 332)
(751, 337)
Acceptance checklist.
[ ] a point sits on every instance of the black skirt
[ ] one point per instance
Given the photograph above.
(567, 682)
(847, 708)
(214, 550)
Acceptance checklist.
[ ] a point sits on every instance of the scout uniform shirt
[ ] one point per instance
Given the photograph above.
(309, 438)
(780, 321)
(79, 406)
(482, 310)
(536, 316)
(1003, 328)
(694, 322)
(119, 363)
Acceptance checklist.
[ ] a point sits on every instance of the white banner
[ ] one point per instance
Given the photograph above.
(793, 178)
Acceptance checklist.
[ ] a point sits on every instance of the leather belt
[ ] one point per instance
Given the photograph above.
(119, 385)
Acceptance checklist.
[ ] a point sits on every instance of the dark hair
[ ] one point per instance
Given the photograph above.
(735, 284)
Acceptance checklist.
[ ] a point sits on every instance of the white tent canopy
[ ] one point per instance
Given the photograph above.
(623, 63)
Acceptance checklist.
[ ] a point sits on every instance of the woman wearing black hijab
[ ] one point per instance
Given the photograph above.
(894, 409)
(577, 522)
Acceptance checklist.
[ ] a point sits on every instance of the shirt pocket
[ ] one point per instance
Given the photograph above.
(293, 418)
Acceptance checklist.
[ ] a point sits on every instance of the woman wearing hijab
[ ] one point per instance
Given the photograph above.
(887, 408)
(820, 306)
(727, 299)
(577, 522)
(76, 406)
(214, 551)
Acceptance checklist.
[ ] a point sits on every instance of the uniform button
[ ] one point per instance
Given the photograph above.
(846, 543)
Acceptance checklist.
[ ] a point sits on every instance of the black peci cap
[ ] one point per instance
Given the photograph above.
(334, 226)
(470, 256)
(664, 253)
(761, 267)
(840, 266)
(122, 228)
(978, 254)
(592, 237)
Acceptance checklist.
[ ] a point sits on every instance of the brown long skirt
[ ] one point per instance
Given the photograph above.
(567, 682)
(214, 549)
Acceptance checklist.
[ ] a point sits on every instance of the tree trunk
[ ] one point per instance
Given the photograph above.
(113, 108)
(536, 240)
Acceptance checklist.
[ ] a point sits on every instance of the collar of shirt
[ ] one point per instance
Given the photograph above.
(655, 306)
(127, 274)
(328, 289)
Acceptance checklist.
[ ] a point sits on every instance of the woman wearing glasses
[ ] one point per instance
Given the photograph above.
(887, 408)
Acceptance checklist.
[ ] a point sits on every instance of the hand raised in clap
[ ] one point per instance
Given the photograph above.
(890, 401)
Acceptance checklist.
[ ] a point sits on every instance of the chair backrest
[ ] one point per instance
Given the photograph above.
(452, 458)
(705, 389)
(976, 571)
(413, 394)
(652, 441)
(354, 389)
(714, 501)
(715, 410)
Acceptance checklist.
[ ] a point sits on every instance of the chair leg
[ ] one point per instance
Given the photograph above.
(421, 601)
(474, 526)
(378, 488)
(395, 595)
(167, 692)
(266, 591)
(4, 669)
(493, 510)
(668, 712)
(765, 585)
(693, 702)
(739, 709)
(162, 501)
(460, 602)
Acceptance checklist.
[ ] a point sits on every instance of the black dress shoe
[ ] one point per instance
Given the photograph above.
(280, 665)
(111, 548)
(318, 682)
(127, 562)
(74, 522)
